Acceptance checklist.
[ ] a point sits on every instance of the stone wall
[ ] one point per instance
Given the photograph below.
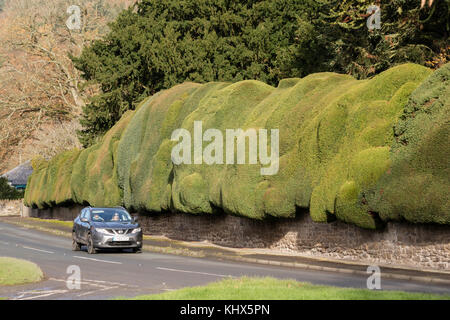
(399, 243)
(413, 245)
(10, 208)
(61, 213)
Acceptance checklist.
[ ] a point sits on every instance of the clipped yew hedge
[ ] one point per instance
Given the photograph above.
(339, 154)
(416, 188)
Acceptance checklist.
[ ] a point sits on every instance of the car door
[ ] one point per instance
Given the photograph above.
(84, 225)
(76, 225)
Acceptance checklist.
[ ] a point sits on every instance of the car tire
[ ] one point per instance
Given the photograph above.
(137, 250)
(90, 246)
(76, 246)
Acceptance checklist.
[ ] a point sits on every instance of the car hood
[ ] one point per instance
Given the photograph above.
(115, 225)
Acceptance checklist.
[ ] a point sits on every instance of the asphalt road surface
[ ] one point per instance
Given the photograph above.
(124, 274)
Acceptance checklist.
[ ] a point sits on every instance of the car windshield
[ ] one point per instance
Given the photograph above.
(110, 215)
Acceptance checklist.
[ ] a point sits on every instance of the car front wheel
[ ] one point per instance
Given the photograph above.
(90, 246)
(137, 250)
(75, 245)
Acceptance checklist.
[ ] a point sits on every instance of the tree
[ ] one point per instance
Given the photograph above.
(157, 44)
(408, 34)
(39, 86)
(7, 192)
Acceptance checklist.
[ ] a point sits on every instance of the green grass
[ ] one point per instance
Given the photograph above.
(273, 289)
(68, 224)
(17, 271)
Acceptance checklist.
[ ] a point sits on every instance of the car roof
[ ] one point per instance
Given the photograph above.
(102, 208)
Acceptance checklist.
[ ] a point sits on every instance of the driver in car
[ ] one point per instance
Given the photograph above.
(115, 217)
(97, 218)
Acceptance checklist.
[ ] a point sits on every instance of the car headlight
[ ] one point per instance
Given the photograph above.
(101, 230)
(136, 230)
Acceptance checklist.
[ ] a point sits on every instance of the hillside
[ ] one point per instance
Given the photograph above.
(339, 155)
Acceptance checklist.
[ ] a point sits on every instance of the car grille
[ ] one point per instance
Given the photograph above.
(120, 231)
(120, 243)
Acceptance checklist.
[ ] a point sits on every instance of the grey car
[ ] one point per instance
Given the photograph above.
(106, 228)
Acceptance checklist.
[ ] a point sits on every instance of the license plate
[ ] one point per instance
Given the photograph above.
(121, 238)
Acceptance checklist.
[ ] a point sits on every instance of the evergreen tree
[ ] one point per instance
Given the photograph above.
(157, 44)
(7, 192)
(408, 33)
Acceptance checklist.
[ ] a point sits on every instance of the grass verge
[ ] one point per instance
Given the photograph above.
(17, 271)
(67, 224)
(273, 289)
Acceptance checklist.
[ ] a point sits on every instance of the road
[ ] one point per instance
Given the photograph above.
(112, 274)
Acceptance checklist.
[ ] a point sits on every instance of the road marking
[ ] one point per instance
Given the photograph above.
(40, 250)
(196, 272)
(81, 282)
(98, 260)
(40, 294)
(96, 291)
(111, 283)
(102, 285)
(99, 283)
(4, 242)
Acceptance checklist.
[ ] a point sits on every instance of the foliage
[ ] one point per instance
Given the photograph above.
(339, 40)
(335, 138)
(420, 165)
(158, 44)
(94, 174)
(8, 192)
(54, 176)
(41, 91)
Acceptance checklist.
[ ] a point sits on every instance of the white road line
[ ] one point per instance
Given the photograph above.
(40, 250)
(96, 283)
(40, 294)
(82, 283)
(196, 272)
(98, 260)
(96, 291)
(111, 283)
(4, 242)
(99, 283)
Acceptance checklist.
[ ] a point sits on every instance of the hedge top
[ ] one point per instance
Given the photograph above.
(335, 138)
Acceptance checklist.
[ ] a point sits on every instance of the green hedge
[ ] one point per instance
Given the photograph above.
(335, 151)
(49, 185)
(416, 186)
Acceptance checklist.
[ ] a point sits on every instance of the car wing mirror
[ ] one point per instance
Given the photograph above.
(135, 219)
